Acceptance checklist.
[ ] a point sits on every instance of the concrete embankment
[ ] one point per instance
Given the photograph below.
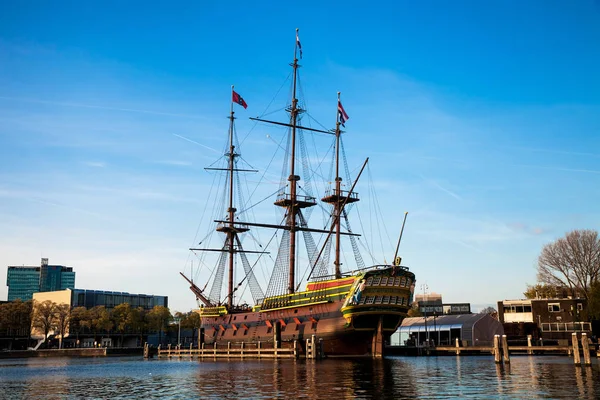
(88, 352)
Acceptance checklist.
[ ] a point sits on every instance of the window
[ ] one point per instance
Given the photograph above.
(553, 307)
(384, 281)
(403, 282)
(579, 306)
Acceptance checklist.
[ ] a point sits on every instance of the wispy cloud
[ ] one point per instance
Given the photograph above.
(100, 107)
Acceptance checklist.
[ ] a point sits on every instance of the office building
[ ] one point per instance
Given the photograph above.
(24, 281)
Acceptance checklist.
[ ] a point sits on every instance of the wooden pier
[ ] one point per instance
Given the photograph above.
(502, 351)
(314, 349)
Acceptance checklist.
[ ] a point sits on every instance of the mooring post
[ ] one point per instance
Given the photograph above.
(258, 347)
(215, 349)
(457, 345)
(169, 348)
(529, 350)
(313, 346)
(505, 349)
(321, 349)
(497, 356)
(576, 356)
(586, 349)
(295, 349)
(228, 347)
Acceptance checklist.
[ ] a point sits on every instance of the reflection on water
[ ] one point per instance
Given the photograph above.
(362, 378)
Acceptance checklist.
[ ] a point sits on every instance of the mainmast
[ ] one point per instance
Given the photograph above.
(294, 203)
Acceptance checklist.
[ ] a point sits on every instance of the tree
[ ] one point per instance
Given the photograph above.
(158, 318)
(191, 321)
(489, 310)
(414, 312)
(542, 291)
(572, 262)
(100, 320)
(121, 315)
(44, 316)
(80, 320)
(63, 314)
(138, 322)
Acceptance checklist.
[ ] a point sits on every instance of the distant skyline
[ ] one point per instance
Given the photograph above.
(481, 119)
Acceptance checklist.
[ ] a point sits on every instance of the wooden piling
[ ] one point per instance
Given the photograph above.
(497, 356)
(457, 347)
(228, 348)
(586, 349)
(529, 351)
(576, 355)
(505, 350)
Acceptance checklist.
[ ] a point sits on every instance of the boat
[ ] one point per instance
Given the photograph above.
(351, 310)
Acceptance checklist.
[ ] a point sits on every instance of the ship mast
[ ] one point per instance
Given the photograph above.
(231, 232)
(338, 198)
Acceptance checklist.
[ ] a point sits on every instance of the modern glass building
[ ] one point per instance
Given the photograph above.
(23, 282)
(91, 298)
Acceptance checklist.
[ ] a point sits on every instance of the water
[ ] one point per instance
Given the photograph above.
(364, 378)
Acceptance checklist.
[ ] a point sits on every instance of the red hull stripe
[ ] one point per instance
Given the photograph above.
(329, 284)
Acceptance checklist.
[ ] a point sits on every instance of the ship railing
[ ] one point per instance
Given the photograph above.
(237, 225)
(299, 198)
(342, 193)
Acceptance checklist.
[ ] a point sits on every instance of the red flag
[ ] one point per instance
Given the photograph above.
(342, 114)
(236, 98)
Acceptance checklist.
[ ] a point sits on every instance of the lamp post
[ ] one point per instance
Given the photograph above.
(424, 287)
(178, 322)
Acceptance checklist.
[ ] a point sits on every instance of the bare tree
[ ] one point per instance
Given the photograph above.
(572, 261)
(63, 316)
(44, 316)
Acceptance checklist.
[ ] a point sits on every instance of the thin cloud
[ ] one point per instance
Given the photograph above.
(65, 104)
(199, 144)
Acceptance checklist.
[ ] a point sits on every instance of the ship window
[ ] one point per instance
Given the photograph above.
(391, 281)
(234, 318)
(384, 281)
(378, 299)
(376, 281)
(245, 332)
(401, 301)
(386, 300)
(223, 332)
(370, 300)
(296, 311)
(407, 282)
(579, 306)
(526, 308)
(234, 332)
(397, 281)
(245, 317)
(403, 282)
(363, 300)
(553, 307)
(370, 281)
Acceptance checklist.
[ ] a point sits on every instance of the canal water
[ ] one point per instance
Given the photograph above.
(529, 377)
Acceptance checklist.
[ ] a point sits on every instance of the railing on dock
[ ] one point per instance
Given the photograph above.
(234, 350)
(502, 351)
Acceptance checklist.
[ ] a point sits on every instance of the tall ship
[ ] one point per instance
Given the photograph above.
(350, 307)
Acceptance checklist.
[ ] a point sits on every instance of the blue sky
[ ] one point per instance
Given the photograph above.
(482, 120)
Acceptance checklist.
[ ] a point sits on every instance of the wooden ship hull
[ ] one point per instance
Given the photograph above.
(347, 320)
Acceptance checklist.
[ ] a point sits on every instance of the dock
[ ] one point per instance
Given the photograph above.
(291, 350)
(502, 351)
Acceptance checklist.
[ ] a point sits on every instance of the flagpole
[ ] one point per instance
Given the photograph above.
(296, 45)
(231, 100)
